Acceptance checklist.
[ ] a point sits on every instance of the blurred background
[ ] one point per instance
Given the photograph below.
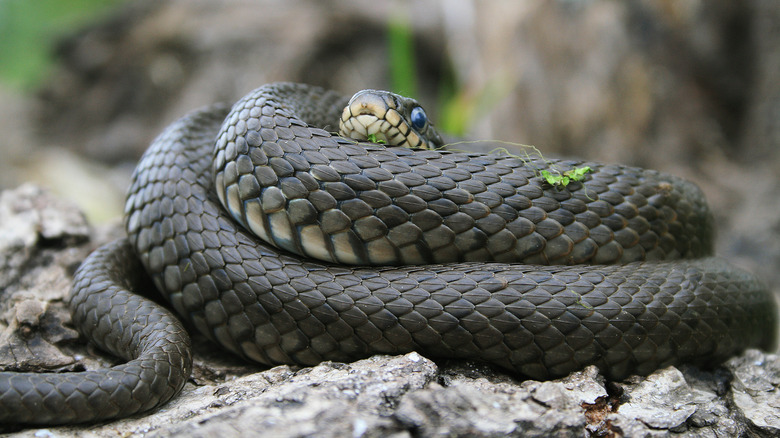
(684, 86)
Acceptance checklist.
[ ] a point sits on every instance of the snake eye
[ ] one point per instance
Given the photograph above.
(419, 119)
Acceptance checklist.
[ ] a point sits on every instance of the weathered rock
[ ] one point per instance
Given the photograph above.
(30, 219)
(331, 399)
(39, 238)
(484, 404)
(649, 400)
(755, 390)
(696, 403)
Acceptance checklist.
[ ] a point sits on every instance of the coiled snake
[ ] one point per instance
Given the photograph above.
(463, 223)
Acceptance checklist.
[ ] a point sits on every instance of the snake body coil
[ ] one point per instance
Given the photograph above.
(321, 196)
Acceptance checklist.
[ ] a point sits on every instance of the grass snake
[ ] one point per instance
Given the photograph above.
(480, 257)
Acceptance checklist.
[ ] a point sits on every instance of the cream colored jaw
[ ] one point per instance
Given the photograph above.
(369, 114)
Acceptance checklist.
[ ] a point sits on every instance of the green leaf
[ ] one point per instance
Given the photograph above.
(549, 177)
(372, 138)
(561, 180)
(578, 173)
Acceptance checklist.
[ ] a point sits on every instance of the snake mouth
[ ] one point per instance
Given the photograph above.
(375, 115)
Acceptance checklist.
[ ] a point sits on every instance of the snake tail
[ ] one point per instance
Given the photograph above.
(152, 341)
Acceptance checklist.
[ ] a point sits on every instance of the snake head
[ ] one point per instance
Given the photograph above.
(389, 118)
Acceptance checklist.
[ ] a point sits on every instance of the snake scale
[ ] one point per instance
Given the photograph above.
(481, 259)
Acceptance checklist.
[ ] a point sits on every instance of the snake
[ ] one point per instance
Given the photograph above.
(286, 243)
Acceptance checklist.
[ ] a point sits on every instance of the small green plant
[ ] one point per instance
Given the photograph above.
(552, 176)
(562, 179)
(372, 138)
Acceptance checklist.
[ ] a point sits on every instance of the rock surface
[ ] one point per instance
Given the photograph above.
(44, 238)
(39, 235)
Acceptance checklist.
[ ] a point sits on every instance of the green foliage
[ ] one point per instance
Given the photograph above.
(28, 29)
(552, 175)
(403, 71)
(372, 138)
(562, 179)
